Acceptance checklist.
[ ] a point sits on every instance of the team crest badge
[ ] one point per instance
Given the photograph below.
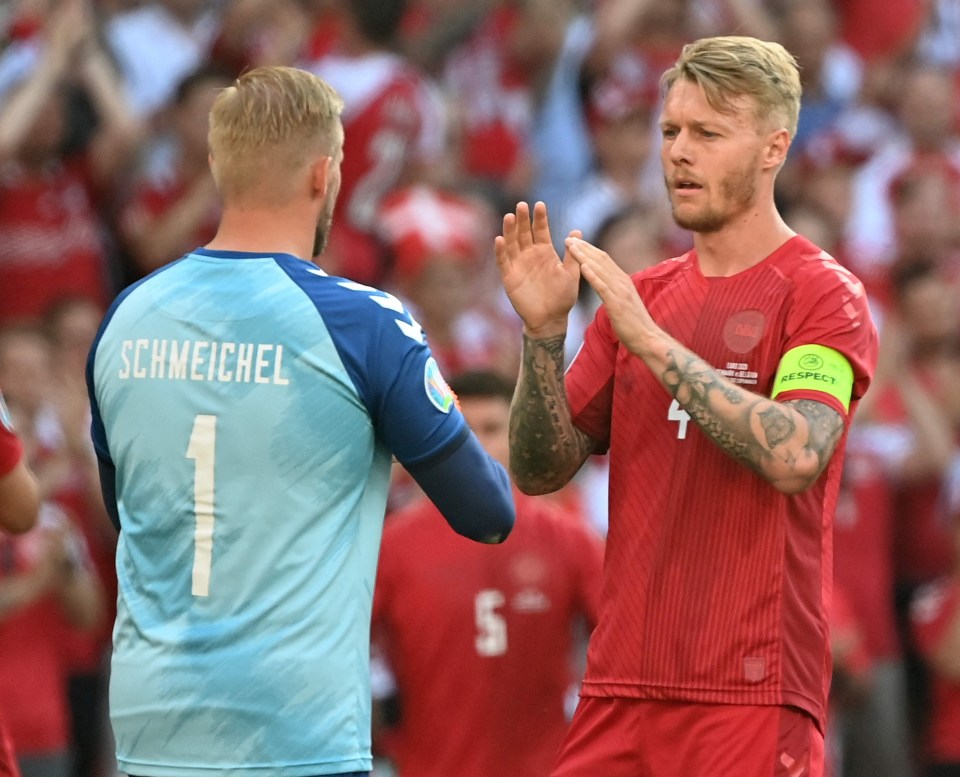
(5, 420)
(438, 392)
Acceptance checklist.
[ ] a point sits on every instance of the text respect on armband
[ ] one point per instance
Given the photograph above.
(202, 360)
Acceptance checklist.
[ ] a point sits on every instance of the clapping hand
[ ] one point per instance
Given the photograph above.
(541, 288)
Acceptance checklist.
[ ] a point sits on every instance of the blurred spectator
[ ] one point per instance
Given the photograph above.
(482, 644)
(52, 239)
(47, 583)
(393, 125)
(912, 401)
(491, 107)
(26, 383)
(261, 32)
(46, 586)
(440, 245)
(929, 137)
(936, 623)
(620, 112)
(174, 206)
(871, 727)
(919, 337)
(925, 199)
(158, 42)
(830, 71)
(19, 506)
(850, 681)
(70, 327)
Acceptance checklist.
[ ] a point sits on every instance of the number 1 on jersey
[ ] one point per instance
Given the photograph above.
(202, 449)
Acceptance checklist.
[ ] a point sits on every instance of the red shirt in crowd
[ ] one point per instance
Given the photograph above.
(390, 122)
(716, 586)
(934, 609)
(33, 661)
(480, 638)
(50, 240)
(863, 549)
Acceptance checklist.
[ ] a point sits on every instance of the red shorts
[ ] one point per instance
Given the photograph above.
(644, 738)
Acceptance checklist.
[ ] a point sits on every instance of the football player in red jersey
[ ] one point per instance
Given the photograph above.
(482, 644)
(722, 382)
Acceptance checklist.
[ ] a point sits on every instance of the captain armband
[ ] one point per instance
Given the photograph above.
(815, 368)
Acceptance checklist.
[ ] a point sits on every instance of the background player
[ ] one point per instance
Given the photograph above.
(722, 383)
(246, 408)
(484, 643)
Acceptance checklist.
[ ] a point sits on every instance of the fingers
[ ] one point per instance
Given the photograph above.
(541, 225)
(508, 241)
(595, 265)
(524, 233)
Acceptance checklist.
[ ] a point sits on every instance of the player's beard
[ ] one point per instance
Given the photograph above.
(322, 233)
(739, 190)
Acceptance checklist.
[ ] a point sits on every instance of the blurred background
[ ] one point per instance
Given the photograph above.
(455, 110)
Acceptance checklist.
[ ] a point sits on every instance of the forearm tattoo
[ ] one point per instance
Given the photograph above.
(546, 449)
(754, 429)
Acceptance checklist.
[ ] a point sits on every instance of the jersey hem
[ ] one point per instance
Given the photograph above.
(149, 769)
(709, 696)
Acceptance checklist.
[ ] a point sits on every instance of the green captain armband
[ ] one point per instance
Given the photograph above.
(815, 368)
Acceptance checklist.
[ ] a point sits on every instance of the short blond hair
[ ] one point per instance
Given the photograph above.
(268, 121)
(733, 66)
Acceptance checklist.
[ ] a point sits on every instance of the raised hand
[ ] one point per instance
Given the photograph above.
(541, 288)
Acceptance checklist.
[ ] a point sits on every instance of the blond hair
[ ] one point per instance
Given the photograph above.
(735, 66)
(267, 123)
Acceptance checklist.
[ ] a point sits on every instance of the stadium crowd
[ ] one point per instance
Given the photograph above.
(455, 110)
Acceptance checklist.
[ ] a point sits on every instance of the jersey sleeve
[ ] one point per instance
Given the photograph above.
(11, 449)
(831, 310)
(386, 355)
(589, 379)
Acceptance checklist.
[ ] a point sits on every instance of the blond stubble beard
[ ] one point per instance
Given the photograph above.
(739, 189)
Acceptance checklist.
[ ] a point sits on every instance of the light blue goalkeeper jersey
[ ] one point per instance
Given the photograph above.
(250, 405)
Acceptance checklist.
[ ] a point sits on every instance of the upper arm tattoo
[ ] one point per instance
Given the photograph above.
(546, 449)
(825, 426)
(766, 435)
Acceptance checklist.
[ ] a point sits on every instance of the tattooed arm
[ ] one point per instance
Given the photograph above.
(787, 443)
(546, 449)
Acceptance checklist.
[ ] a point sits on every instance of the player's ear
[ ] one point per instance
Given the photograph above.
(320, 174)
(777, 146)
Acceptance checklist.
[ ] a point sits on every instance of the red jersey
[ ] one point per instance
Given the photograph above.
(716, 586)
(390, 119)
(479, 637)
(934, 609)
(50, 240)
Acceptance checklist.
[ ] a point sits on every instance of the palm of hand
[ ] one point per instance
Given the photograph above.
(541, 288)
